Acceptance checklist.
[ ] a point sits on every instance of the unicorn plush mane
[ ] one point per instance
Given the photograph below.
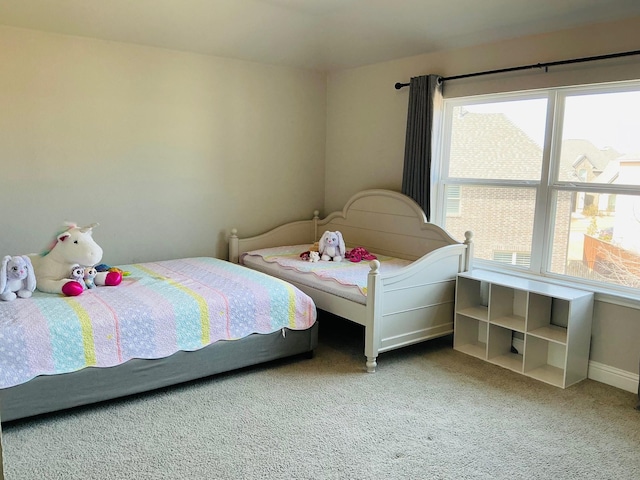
(67, 226)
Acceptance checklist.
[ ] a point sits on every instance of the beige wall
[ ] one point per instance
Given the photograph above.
(167, 150)
(366, 120)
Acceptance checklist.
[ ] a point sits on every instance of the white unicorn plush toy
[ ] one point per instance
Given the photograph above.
(331, 246)
(73, 246)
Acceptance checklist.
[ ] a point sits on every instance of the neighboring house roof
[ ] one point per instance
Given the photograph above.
(579, 160)
(610, 173)
(573, 149)
(630, 158)
(576, 150)
(498, 148)
(628, 166)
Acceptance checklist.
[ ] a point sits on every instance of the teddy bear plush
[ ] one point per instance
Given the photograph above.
(331, 246)
(16, 278)
(313, 256)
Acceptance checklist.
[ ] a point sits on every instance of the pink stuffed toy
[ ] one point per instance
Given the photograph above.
(358, 254)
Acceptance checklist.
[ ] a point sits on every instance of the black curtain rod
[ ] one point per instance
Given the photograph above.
(536, 65)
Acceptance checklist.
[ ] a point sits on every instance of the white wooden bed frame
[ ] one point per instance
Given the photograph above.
(408, 306)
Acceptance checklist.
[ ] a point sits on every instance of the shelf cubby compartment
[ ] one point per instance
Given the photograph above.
(548, 318)
(499, 349)
(545, 360)
(471, 336)
(472, 298)
(508, 307)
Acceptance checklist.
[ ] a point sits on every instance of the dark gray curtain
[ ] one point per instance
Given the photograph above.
(425, 105)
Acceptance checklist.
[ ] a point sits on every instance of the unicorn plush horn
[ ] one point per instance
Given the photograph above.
(88, 228)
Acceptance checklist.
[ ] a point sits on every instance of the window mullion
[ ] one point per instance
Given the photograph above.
(542, 224)
(440, 170)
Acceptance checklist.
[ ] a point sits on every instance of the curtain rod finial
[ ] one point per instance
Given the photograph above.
(401, 85)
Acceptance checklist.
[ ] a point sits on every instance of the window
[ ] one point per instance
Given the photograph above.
(547, 180)
(453, 200)
(513, 258)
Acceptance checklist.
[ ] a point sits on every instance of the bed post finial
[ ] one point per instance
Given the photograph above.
(468, 255)
(316, 217)
(374, 267)
(233, 246)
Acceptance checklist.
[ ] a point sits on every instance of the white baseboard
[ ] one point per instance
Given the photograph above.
(613, 376)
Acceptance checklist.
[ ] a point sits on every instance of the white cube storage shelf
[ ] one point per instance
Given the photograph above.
(552, 322)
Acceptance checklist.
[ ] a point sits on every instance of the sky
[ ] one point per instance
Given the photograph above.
(608, 120)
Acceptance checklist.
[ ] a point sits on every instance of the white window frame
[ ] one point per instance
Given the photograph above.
(546, 188)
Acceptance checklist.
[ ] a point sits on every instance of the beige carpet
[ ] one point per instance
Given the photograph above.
(428, 413)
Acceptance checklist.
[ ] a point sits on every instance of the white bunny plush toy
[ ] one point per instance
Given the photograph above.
(16, 278)
(331, 246)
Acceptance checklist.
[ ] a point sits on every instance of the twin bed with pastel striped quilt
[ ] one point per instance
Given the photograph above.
(166, 323)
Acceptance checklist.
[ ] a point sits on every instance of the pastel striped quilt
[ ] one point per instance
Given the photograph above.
(159, 309)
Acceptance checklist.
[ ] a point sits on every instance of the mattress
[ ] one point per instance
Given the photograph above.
(344, 279)
(159, 309)
(50, 393)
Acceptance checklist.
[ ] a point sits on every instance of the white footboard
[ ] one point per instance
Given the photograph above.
(414, 304)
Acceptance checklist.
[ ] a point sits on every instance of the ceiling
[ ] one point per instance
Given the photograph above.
(315, 34)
